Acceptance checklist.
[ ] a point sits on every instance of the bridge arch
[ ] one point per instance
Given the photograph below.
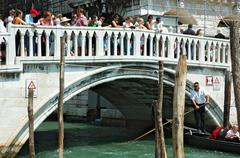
(97, 77)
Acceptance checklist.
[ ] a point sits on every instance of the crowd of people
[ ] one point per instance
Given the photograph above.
(79, 19)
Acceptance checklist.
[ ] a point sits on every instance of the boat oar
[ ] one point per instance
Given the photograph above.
(152, 130)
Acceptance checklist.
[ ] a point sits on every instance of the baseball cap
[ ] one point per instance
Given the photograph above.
(34, 11)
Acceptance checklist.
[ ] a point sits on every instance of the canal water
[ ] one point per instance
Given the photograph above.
(92, 141)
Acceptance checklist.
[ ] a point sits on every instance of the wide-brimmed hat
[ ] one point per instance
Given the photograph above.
(65, 19)
(34, 11)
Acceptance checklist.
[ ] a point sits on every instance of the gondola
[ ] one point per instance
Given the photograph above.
(203, 141)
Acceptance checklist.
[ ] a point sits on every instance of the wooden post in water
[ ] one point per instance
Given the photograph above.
(60, 101)
(227, 99)
(235, 59)
(178, 107)
(160, 149)
(31, 124)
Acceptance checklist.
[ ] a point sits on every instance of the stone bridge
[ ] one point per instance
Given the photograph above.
(119, 64)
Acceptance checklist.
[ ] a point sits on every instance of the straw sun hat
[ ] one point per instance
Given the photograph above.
(65, 19)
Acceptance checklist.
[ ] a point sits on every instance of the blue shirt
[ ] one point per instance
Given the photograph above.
(199, 96)
(29, 19)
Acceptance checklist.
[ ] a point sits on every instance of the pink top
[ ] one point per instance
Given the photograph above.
(45, 23)
(80, 21)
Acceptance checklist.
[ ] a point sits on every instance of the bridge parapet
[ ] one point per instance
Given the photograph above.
(42, 44)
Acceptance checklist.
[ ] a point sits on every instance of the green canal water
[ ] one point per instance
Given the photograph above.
(92, 141)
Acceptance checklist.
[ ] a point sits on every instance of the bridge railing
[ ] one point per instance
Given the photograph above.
(43, 43)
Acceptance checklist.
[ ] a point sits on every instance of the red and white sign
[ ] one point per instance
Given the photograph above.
(209, 80)
(216, 84)
(31, 84)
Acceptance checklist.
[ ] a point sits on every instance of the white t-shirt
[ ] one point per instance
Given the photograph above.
(157, 26)
(199, 96)
(127, 25)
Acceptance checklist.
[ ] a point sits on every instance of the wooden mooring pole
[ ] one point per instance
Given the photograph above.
(31, 124)
(60, 101)
(160, 149)
(227, 99)
(235, 60)
(178, 107)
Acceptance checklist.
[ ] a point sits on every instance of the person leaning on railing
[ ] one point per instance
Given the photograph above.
(2, 42)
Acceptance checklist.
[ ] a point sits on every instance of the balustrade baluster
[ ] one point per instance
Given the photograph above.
(30, 44)
(68, 44)
(145, 45)
(90, 50)
(209, 52)
(214, 53)
(151, 46)
(219, 53)
(157, 46)
(100, 43)
(224, 53)
(184, 51)
(202, 51)
(128, 44)
(47, 44)
(122, 45)
(115, 36)
(189, 51)
(22, 52)
(83, 42)
(109, 45)
(76, 44)
(57, 43)
(39, 52)
(171, 48)
(163, 47)
(194, 49)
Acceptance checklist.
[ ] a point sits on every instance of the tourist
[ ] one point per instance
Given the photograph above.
(128, 22)
(149, 23)
(158, 25)
(141, 24)
(65, 21)
(233, 134)
(199, 33)
(80, 19)
(199, 100)
(93, 22)
(18, 18)
(115, 21)
(136, 24)
(189, 30)
(100, 21)
(219, 34)
(10, 18)
(2, 42)
(46, 20)
(29, 18)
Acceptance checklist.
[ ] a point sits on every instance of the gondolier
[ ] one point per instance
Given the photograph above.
(199, 99)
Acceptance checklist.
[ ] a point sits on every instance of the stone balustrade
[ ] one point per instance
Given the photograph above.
(42, 44)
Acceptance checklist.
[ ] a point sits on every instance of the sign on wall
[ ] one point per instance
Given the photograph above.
(216, 84)
(209, 80)
(31, 84)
